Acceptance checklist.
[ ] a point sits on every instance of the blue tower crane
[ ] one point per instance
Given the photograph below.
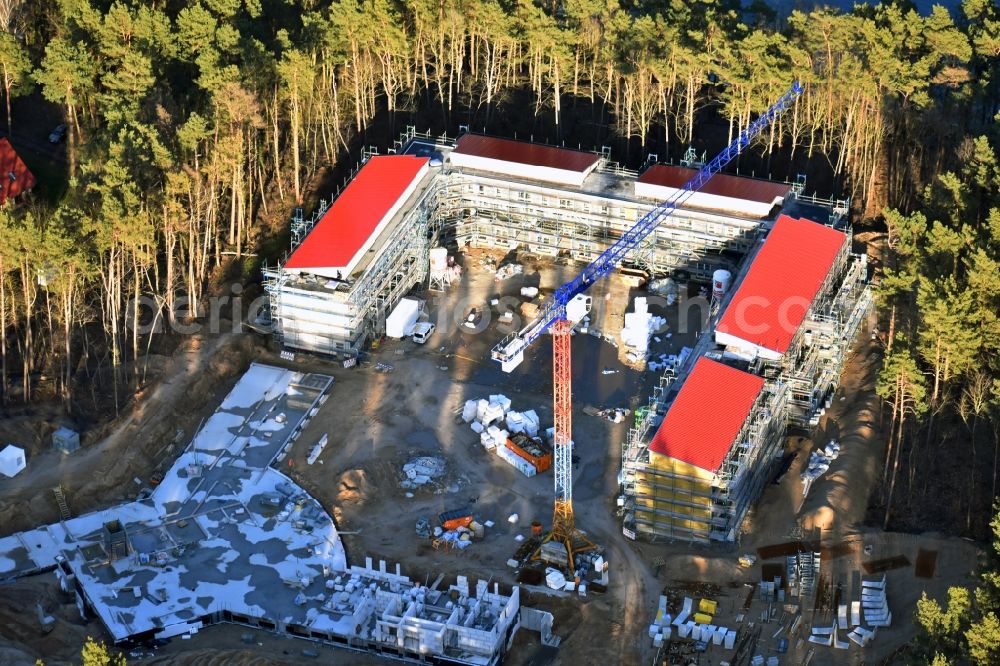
(568, 305)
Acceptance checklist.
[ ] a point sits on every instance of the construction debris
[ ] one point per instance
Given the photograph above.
(517, 444)
(819, 463)
(423, 470)
(508, 271)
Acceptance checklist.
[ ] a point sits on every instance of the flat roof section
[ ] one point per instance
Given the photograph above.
(707, 414)
(722, 185)
(788, 271)
(354, 219)
(223, 530)
(522, 152)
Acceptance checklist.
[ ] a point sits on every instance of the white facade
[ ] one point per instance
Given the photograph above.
(518, 170)
(709, 201)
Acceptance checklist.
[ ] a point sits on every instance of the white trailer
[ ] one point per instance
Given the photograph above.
(403, 318)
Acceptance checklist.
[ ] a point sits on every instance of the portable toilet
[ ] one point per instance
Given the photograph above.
(66, 440)
(12, 460)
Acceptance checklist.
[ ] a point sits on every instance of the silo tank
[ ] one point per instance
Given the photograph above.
(439, 259)
(721, 279)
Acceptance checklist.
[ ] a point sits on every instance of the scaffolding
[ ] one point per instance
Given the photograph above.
(337, 317)
(551, 221)
(472, 209)
(667, 498)
(814, 361)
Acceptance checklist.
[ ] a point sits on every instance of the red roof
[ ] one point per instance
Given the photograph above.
(707, 414)
(780, 286)
(722, 185)
(523, 152)
(353, 217)
(14, 175)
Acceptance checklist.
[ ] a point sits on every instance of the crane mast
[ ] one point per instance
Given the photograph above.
(563, 309)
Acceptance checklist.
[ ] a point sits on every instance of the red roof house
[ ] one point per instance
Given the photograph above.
(15, 178)
(522, 159)
(752, 197)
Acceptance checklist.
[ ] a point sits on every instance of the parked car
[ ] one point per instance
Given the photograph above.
(422, 331)
(58, 134)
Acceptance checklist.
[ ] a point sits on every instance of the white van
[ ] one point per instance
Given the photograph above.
(422, 331)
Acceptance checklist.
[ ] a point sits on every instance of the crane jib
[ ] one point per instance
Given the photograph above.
(555, 307)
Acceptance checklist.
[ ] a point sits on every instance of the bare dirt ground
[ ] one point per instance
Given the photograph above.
(102, 472)
(377, 421)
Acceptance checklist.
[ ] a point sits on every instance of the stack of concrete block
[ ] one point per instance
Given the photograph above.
(515, 421)
(490, 413)
(531, 423)
(493, 437)
(875, 604)
(486, 417)
(526, 422)
(502, 400)
(661, 630)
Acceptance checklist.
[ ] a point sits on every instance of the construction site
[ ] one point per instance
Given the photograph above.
(579, 413)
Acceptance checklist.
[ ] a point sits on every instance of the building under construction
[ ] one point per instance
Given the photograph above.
(786, 323)
(712, 435)
(226, 537)
(355, 258)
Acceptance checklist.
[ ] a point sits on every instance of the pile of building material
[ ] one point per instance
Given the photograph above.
(665, 287)
(874, 603)
(872, 610)
(508, 271)
(670, 361)
(803, 571)
(695, 624)
(639, 328)
(486, 417)
(421, 471)
(660, 629)
(317, 449)
(515, 461)
(819, 463)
